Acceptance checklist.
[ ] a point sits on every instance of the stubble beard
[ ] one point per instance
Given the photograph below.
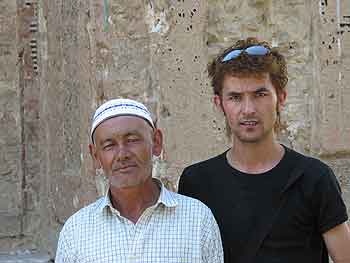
(243, 136)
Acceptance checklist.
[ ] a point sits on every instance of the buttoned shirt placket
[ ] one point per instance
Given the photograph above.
(136, 231)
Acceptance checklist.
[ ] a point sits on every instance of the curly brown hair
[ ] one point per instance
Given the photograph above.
(246, 65)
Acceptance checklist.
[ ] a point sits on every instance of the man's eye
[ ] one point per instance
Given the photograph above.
(235, 98)
(133, 139)
(107, 147)
(261, 94)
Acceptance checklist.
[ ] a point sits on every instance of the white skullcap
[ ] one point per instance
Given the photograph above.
(119, 107)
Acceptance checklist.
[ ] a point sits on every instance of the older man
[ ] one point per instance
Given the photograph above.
(138, 220)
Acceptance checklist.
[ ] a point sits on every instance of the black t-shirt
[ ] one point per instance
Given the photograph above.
(240, 203)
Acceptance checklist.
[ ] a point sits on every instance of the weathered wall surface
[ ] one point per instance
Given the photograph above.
(11, 154)
(60, 59)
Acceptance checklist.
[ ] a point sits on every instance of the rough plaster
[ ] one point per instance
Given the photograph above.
(60, 59)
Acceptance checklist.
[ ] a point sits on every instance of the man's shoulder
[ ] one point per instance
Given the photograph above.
(205, 165)
(84, 214)
(184, 200)
(313, 168)
(188, 204)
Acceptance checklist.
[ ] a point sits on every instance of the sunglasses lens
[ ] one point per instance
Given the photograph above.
(253, 50)
(232, 54)
(257, 50)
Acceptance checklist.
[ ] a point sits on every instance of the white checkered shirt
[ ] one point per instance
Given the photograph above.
(176, 229)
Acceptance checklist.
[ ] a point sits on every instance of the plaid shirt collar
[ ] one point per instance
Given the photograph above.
(166, 198)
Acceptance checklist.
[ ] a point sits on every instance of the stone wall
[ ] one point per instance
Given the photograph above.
(60, 59)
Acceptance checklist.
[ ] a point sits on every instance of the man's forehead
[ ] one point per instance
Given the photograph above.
(123, 124)
(248, 75)
(246, 83)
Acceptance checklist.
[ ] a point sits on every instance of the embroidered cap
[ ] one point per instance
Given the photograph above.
(119, 107)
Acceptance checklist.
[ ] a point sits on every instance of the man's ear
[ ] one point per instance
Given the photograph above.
(157, 142)
(93, 153)
(218, 102)
(282, 97)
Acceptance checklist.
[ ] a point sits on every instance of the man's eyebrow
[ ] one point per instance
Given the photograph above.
(132, 132)
(126, 134)
(231, 93)
(104, 141)
(261, 89)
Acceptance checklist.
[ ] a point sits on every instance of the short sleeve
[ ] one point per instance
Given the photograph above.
(64, 253)
(328, 203)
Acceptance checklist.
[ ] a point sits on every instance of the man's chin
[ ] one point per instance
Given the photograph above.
(125, 183)
(249, 139)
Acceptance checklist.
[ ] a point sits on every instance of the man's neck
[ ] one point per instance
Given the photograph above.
(255, 158)
(131, 202)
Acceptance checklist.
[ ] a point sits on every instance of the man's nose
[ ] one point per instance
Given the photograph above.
(248, 105)
(122, 152)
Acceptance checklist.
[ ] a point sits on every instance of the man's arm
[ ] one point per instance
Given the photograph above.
(331, 213)
(212, 251)
(337, 241)
(64, 252)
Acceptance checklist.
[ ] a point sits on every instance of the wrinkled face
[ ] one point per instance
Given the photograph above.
(124, 147)
(250, 106)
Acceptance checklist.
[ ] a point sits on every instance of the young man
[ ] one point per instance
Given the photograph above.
(138, 220)
(272, 204)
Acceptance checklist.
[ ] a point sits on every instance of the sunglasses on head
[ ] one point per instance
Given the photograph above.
(252, 50)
